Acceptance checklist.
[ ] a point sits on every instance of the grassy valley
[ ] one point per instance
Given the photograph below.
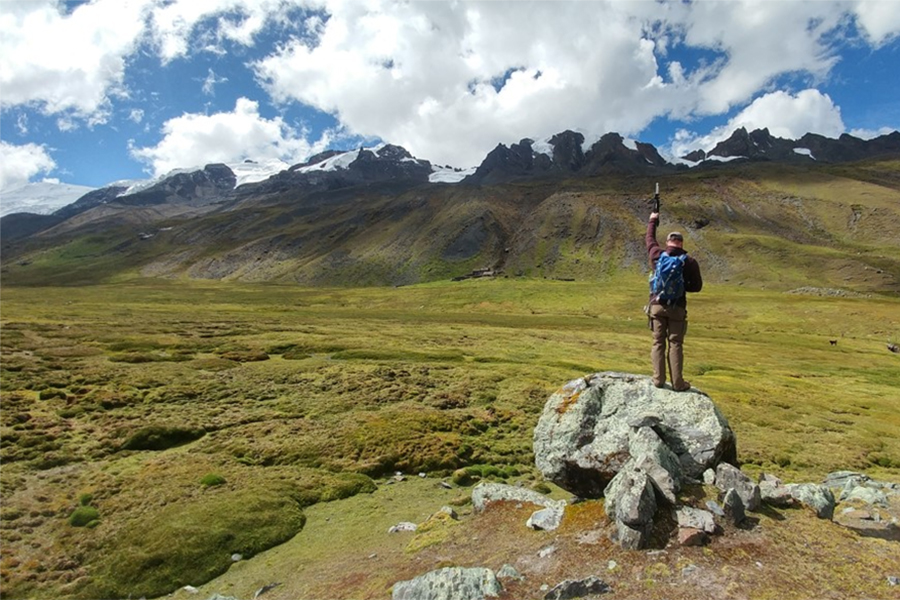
(201, 420)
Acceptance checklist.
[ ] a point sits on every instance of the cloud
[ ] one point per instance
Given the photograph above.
(448, 80)
(210, 83)
(194, 140)
(785, 115)
(174, 23)
(878, 19)
(18, 164)
(67, 63)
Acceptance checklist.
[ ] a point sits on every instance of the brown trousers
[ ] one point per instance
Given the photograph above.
(669, 323)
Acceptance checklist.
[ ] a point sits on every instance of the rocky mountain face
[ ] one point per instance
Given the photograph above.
(552, 208)
(760, 145)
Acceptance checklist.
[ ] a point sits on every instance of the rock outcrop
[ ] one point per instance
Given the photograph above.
(592, 427)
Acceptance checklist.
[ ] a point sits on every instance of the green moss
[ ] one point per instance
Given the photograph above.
(83, 516)
(158, 437)
(191, 542)
(212, 479)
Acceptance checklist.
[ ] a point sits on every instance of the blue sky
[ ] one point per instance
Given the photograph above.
(99, 91)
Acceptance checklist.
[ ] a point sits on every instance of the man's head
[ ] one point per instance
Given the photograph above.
(675, 239)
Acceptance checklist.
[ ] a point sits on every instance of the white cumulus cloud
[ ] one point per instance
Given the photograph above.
(194, 140)
(450, 80)
(18, 164)
(67, 63)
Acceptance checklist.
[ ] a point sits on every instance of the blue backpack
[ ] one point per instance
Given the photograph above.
(667, 282)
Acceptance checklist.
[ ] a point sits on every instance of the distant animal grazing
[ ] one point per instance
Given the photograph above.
(833, 342)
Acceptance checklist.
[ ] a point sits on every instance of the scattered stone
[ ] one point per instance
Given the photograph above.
(266, 588)
(448, 510)
(632, 538)
(451, 583)
(221, 597)
(695, 518)
(585, 434)
(236, 557)
(423, 475)
(855, 513)
(714, 508)
(709, 477)
(688, 536)
(399, 477)
(611, 565)
(817, 497)
(730, 477)
(404, 526)
(840, 479)
(892, 580)
(445, 485)
(545, 552)
(484, 493)
(578, 589)
(509, 572)
(775, 494)
(734, 507)
(689, 570)
(190, 589)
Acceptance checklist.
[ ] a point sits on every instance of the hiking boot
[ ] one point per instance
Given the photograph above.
(685, 386)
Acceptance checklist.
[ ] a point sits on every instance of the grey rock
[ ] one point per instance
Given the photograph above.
(236, 557)
(817, 497)
(695, 518)
(663, 482)
(730, 477)
(547, 519)
(709, 477)
(733, 506)
(578, 589)
(630, 498)
(545, 552)
(770, 479)
(586, 432)
(452, 583)
(445, 485)
(892, 580)
(509, 572)
(868, 495)
(221, 597)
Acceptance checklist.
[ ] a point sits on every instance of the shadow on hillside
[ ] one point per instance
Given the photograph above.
(891, 533)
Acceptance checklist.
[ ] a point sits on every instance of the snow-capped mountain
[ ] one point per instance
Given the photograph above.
(41, 198)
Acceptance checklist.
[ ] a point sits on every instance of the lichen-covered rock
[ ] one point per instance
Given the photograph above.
(817, 497)
(593, 426)
(451, 583)
(730, 477)
(484, 493)
(631, 504)
(695, 518)
(567, 590)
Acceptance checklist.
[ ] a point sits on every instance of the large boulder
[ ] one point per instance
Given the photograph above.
(593, 426)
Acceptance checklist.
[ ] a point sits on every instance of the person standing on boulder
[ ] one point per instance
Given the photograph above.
(674, 274)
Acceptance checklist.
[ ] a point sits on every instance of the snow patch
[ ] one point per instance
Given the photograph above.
(725, 159)
(254, 171)
(449, 174)
(804, 152)
(338, 161)
(630, 144)
(41, 198)
(543, 147)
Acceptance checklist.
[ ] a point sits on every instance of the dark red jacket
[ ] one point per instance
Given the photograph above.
(693, 281)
